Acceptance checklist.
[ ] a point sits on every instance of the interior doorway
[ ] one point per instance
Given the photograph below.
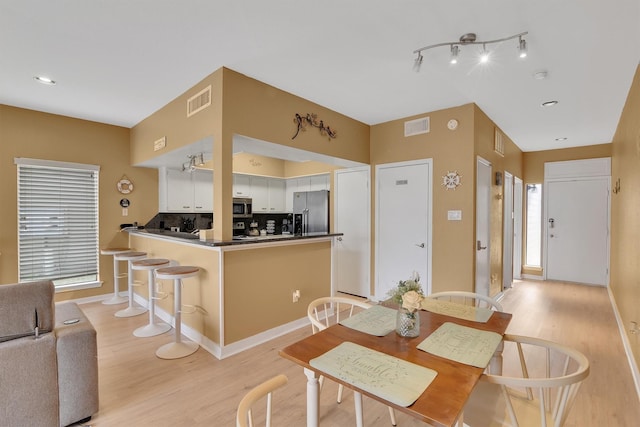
(483, 225)
(403, 224)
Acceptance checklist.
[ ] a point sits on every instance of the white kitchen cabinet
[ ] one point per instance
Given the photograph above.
(241, 185)
(202, 190)
(260, 194)
(276, 195)
(186, 192)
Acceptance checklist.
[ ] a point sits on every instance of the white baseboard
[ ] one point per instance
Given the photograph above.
(532, 277)
(625, 342)
(221, 352)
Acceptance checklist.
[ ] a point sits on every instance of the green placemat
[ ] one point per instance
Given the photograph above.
(463, 344)
(377, 320)
(388, 377)
(459, 311)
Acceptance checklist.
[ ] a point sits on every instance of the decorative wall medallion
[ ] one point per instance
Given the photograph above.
(451, 180)
(452, 124)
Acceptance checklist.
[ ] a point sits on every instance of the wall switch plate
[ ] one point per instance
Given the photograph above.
(454, 215)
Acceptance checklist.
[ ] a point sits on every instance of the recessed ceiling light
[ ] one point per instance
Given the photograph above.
(549, 103)
(44, 80)
(564, 138)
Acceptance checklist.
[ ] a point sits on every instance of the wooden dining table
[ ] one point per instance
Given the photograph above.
(441, 403)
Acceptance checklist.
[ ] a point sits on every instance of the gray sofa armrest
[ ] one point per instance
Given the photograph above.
(19, 304)
(28, 381)
(77, 364)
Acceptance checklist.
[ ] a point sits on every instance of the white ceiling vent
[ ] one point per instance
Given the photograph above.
(416, 127)
(199, 101)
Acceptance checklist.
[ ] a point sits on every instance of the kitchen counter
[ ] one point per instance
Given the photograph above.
(237, 240)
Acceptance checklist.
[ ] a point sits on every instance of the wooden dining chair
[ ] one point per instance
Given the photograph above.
(544, 378)
(463, 297)
(326, 311)
(244, 417)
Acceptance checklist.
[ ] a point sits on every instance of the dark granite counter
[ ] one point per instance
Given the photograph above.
(239, 240)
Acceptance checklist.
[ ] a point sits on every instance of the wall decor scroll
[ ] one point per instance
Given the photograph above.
(312, 120)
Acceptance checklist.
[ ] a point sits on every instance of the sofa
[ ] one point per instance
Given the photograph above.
(48, 359)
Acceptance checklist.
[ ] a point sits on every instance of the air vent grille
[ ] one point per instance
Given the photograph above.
(199, 101)
(498, 145)
(416, 127)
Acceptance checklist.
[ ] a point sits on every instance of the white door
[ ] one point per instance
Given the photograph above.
(352, 207)
(507, 235)
(403, 224)
(577, 218)
(517, 228)
(483, 206)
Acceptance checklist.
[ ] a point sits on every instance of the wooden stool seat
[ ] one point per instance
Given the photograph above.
(116, 298)
(177, 348)
(130, 257)
(152, 328)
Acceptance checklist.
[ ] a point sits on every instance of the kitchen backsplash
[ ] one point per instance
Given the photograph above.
(186, 221)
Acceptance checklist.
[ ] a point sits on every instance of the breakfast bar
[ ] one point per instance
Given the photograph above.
(247, 290)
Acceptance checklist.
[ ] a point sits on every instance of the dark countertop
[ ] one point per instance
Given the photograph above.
(195, 239)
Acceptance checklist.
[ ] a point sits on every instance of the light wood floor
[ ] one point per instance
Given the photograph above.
(138, 389)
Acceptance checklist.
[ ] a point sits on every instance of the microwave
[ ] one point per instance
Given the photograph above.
(242, 207)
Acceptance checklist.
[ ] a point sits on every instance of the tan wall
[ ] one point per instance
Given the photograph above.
(259, 285)
(625, 220)
(485, 130)
(450, 151)
(26, 133)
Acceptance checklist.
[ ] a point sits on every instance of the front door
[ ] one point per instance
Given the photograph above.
(403, 224)
(578, 230)
(483, 206)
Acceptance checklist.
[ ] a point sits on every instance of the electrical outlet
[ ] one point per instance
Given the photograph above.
(296, 295)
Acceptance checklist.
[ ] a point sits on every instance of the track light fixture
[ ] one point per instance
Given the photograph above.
(195, 160)
(470, 39)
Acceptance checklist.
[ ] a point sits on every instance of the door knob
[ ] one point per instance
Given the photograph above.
(421, 245)
(479, 246)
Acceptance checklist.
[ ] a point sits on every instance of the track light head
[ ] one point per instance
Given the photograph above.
(417, 63)
(522, 47)
(454, 54)
(484, 56)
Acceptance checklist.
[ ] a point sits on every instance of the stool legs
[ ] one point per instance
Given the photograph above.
(177, 348)
(116, 298)
(131, 310)
(152, 328)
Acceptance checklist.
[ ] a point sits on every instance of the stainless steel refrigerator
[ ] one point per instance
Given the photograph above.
(311, 212)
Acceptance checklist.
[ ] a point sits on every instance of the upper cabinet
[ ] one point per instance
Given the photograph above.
(267, 194)
(185, 192)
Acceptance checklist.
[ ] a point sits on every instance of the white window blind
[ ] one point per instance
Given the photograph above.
(57, 221)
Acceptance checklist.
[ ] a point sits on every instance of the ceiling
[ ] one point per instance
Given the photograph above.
(119, 61)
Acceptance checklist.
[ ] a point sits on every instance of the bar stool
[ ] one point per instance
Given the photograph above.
(177, 348)
(116, 298)
(130, 257)
(150, 265)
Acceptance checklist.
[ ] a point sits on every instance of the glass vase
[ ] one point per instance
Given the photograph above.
(408, 323)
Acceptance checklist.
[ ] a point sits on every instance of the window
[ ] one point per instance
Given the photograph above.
(58, 223)
(534, 225)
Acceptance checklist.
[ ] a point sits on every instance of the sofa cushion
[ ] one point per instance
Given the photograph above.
(19, 304)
